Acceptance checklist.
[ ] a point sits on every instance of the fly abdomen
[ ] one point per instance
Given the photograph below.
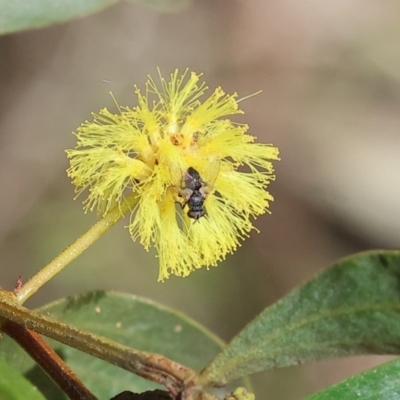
(196, 205)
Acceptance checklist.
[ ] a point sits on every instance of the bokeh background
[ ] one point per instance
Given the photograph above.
(330, 75)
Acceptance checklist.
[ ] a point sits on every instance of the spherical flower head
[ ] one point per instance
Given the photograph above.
(197, 177)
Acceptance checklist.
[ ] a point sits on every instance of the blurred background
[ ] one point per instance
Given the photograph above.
(330, 76)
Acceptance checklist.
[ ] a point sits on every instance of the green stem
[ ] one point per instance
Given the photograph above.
(148, 365)
(77, 248)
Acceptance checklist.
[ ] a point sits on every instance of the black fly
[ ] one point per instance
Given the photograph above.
(195, 194)
(193, 190)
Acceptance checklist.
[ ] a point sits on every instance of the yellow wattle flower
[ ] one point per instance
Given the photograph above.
(139, 150)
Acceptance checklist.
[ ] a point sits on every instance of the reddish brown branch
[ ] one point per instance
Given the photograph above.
(48, 359)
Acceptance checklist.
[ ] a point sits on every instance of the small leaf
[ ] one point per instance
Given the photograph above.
(129, 320)
(13, 386)
(240, 394)
(17, 15)
(351, 308)
(382, 382)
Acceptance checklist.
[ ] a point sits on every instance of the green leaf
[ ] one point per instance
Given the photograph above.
(127, 319)
(13, 386)
(17, 15)
(351, 308)
(382, 382)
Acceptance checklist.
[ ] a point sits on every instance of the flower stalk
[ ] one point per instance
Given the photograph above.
(77, 248)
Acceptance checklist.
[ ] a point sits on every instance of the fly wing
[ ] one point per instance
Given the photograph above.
(210, 174)
(177, 176)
